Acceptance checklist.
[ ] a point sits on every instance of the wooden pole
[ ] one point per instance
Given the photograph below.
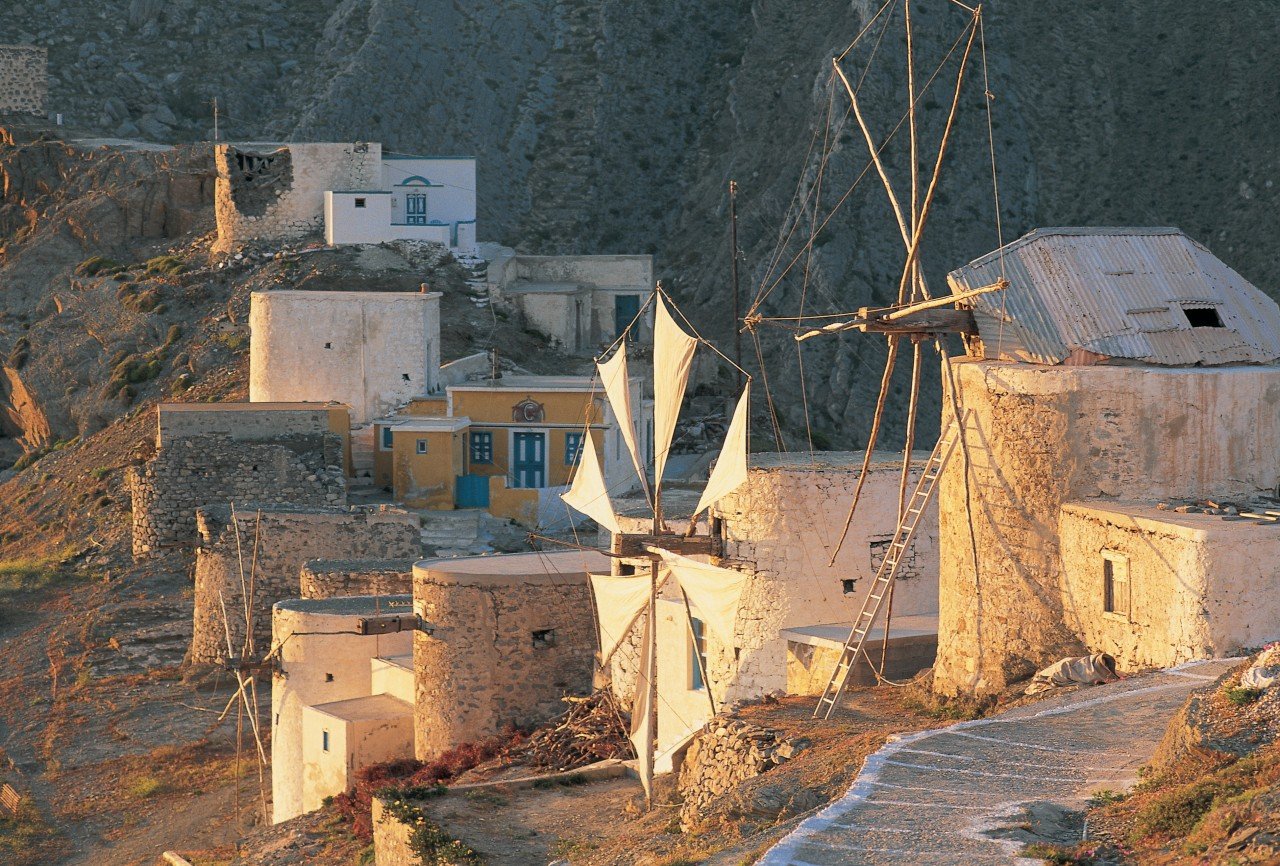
(733, 272)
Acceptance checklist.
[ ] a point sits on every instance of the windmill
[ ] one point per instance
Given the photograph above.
(916, 314)
(620, 600)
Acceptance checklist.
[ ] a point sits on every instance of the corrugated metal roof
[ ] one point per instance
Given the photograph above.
(1121, 293)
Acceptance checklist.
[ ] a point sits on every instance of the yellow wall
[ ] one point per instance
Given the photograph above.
(561, 407)
(340, 423)
(557, 472)
(427, 407)
(382, 460)
(513, 503)
(426, 480)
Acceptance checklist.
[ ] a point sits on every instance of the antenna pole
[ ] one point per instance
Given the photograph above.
(733, 271)
(215, 118)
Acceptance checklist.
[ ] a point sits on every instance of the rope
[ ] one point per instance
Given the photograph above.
(988, 98)
(768, 395)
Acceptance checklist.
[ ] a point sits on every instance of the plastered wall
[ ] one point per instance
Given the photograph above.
(372, 351)
(287, 537)
(1036, 437)
(24, 79)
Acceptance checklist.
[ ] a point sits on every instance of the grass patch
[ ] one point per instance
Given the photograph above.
(145, 787)
(32, 573)
(1177, 812)
(169, 266)
(1105, 797)
(26, 839)
(1241, 695)
(95, 265)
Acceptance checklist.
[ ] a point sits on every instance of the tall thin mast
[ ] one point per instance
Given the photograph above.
(733, 271)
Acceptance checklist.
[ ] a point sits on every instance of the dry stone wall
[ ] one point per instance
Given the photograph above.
(284, 539)
(24, 79)
(327, 578)
(207, 470)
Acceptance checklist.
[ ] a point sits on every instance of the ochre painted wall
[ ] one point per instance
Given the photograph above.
(426, 480)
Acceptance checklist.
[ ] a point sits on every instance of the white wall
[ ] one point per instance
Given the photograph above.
(353, 745)
(317, 669)
(345, 223)
(374, 340)
(681, 708)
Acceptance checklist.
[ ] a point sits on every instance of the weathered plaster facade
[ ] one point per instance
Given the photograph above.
(372, 351)
(286, 537)
(275, 192)
(1039, 436)
(513, 635)
(24, 79)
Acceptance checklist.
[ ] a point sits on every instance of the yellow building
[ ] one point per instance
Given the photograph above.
(500, 442)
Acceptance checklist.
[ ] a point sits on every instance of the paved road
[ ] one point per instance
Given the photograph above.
(927, 797)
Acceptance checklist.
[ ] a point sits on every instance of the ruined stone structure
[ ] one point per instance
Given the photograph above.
(286, 537)
(327, 578)
(372, 351)
(1118, 365)
(275, 192)
(233, 452)
(24, 79)
(512, 635)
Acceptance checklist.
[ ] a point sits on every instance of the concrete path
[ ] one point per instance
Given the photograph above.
(926, 797)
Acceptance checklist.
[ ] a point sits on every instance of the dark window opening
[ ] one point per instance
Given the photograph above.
(359, 202)
(543, 638)
(328, 345)
(1203, 317)
(404, 376)
(625, 569)
(846, 585)
(328, 678)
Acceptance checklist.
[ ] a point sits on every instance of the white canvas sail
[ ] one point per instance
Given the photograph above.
(617, 387)
(588, 493)
(712, 591)
(642, 710)
(619, 600)
(731, 465)
(672, 358)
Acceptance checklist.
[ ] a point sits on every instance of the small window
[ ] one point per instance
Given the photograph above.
(1115, 585)
(481, 446)
(359, 202)
(572, 448)
(404, 376)
(386, 439)
(421, 446)
(328, 345)
(1203, 316)
(324, 740)
(544, 638)
(328, 678)
(697, 654)
(846, 585)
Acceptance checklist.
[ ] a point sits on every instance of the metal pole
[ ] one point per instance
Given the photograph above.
(733, 270)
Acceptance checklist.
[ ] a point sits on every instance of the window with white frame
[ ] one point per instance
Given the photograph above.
(421, 446)
(1116, 596)
(481, 446)
(324, 740)
(572, 448)
(387, 441)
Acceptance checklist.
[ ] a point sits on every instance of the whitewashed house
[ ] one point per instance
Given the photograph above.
(430, 198)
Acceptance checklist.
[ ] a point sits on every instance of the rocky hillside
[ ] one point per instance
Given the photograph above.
(606, 126)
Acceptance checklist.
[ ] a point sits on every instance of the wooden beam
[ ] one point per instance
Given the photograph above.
(648, 545)
(919, 322)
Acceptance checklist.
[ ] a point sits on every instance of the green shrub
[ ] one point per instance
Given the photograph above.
(146, 786)
(1177, 812)
(95, 265)
(1240, 695)
(168, 265)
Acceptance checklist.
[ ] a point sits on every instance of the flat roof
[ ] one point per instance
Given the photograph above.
(347, 605)
(366, 709)
(317, 294)
(833, 635)
(426, 424)
(359, 191)
(824, 460)
(1146, 516)
(386, 154)
(532, 383)
(525, 287)
(251, 407)
(403, 662)
(536, 565)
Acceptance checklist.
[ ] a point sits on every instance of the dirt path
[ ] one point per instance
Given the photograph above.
(928, 797)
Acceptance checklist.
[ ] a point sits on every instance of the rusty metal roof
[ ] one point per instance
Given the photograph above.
(1127, 293)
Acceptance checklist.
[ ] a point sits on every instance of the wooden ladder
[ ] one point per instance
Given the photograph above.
(888, 569)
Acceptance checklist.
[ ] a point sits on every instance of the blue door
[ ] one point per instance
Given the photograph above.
(471, 491)
(625, 309)
(415, 208)
(529, 460)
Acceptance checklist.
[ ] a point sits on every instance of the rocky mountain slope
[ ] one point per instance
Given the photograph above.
(611, 126)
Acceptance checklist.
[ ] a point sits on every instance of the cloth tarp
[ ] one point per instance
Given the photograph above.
(588, 493)
(1264, 671)
(672, 357)
(619, 600)
(731, 465)
(1091, 670)
(617, 386)
(642, 715)
(712, 591)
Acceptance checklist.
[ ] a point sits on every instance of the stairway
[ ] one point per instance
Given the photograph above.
(455, 533)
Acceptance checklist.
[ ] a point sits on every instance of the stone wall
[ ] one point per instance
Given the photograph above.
(727, 753)
(247, 422)
(275, 192)
(24, 79)
(1038, 436)
(207, 470)
(287, 537)
(508, 645)
(329, 578)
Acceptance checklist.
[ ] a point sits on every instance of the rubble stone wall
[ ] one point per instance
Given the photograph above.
(208, 470)
(1036, 437)
(287, 537)
(24, 79)
(506, 648)
(275, 192)
(328, 578)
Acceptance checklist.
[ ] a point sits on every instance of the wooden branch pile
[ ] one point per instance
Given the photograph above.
(593, 729)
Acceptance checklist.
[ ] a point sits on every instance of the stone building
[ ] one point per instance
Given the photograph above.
(217, 453)
(372, 351)
(24, 79)
(579, 302)
(284, 538)
(512, 635)
(1121, 368)
(328, 578)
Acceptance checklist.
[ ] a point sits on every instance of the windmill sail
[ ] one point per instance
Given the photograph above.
(731, 466)
(672, 358)
(643, 727)
(712, 590)
(617, 386)
(619, 601)
(588, 493)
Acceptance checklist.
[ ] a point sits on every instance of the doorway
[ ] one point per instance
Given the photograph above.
(529, 459)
